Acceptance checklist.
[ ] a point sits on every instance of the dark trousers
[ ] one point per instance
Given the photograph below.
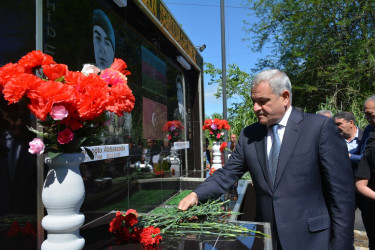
(369, 222)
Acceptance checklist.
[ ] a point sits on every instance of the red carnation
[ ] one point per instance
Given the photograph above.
(9, 71)
(116, 223)
(28, 230)
(150, 236)
(120, 65)
(19, 86)
(123, 235)
(223, 146)
(55, 71)
(43, 97)
(121, 99)
(131, 219)
(65, 136)
(212, 170)
(35, 59)
(14, 229)
(93, 96)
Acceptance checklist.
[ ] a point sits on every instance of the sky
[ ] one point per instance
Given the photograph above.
(201, 22)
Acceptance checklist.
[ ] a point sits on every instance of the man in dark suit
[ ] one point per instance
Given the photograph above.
(345, 122)
(304, 187)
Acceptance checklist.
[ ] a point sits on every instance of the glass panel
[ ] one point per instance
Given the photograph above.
(101, 32)
(18, 171)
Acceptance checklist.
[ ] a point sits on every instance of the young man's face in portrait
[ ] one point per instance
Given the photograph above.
(103, 49)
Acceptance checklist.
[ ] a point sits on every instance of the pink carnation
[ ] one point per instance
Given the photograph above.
(65, 136)
(214, 126)
(59, 112)
(113, 77)
(36, 146)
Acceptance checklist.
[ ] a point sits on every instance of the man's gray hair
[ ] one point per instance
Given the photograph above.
(325, 111)
(277, 80)
(371, 98)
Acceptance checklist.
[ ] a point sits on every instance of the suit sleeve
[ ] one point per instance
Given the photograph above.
(368, 158)
(224, 178)
(338, 180)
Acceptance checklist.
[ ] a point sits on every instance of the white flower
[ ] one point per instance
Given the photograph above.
(89, 68)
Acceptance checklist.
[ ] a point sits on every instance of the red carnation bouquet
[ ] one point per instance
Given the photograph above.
(71, 106)
(126, 229)
(223, 146)
(174, 129)
(214, 129)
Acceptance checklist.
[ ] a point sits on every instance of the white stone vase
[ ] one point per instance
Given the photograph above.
(63, 194)
(216, 155)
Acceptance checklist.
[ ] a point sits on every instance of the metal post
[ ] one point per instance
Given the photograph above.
(40, 164)
(224, 73)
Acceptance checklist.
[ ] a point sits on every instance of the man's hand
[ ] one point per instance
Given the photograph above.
(189, 201)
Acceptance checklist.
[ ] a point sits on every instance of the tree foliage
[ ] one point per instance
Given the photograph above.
(326, 47)
(240, 114)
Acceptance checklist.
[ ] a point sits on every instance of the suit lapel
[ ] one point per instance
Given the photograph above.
(291, 135)
(261, 149)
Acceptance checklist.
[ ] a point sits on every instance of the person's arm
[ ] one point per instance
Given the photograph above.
(361, 185)
(221, 181)
(363, 173)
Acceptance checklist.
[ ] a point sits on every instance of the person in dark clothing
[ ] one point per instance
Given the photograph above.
(365, 184)
(135, 154)
(152, 152)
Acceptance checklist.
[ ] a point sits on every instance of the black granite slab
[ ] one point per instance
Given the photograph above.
(97, 237)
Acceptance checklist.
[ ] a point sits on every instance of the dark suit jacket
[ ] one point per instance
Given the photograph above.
(355, 153)
(312, 201)
(356, 156)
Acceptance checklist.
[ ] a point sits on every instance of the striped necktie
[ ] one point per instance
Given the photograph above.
(273, 157)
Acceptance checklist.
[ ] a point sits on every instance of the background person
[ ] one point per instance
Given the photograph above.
(305, 187)
(369, 112)
(232, 139)
(345, 122)
(325, 112)
(207, 157)
(365, 184)
(152, 152)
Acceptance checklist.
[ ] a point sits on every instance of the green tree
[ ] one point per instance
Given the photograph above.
(326, 47)
(215, 115)
(240, 114)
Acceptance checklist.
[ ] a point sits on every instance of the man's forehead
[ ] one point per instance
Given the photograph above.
(261, 92)
(339, 120)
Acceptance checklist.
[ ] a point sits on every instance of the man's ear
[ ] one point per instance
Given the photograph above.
(286, 97)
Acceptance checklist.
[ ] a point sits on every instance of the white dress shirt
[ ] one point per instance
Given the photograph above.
(280, 131)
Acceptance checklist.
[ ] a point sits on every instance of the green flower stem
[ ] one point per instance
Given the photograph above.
(211, 220)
